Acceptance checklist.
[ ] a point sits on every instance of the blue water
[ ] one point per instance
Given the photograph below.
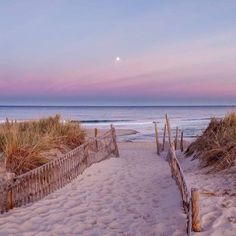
(191, 119)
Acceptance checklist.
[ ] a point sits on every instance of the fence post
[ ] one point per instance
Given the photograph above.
(176, 137)
(113, 133)
(164, 138)
(157, 141)
(9, 200)
(182, 141)
(196, 221)
(189, 219)
(9, 181)
(168, 128)
(96, 134)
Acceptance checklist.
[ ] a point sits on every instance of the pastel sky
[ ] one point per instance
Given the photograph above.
(64, 52)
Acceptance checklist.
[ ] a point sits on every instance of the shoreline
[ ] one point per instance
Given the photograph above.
(217, 190)
(119, 132)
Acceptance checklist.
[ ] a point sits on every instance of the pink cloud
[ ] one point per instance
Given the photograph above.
(191, 69)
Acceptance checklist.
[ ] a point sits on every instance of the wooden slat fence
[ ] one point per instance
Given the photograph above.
(178, 175)
(193, 213)
(40, 182)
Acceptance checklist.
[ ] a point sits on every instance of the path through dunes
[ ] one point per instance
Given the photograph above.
(131, 195)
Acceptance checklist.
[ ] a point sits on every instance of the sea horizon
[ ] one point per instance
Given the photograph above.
(209, 105)
(192, 119)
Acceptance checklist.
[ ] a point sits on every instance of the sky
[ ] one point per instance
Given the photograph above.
(64, 52)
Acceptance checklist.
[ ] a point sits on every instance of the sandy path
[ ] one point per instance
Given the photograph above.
(131, 195)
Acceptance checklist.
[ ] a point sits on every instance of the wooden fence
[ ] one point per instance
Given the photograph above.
(178, 143)
(178, 174)
(190, 198)
(39, 182)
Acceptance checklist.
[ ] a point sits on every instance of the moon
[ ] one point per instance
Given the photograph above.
(117, 58)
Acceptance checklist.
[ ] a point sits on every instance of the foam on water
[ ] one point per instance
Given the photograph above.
(190, 119)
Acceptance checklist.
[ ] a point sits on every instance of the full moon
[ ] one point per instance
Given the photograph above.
(117, 58)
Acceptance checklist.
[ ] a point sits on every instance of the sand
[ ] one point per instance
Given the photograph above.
(131, 195)
(217, 197)
(119, 132)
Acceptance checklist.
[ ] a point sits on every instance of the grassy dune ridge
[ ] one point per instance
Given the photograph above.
(27, 145)
(216, 147)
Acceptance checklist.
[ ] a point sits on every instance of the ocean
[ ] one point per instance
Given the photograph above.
(191, 119)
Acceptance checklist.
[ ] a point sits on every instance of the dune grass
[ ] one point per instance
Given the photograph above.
(216, 147)
(25, 144)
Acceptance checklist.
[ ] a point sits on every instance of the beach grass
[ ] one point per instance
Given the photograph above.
(25, 145)
(216, 147)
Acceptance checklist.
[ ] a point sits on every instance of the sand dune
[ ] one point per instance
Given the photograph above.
(131, 195)
(217, 197)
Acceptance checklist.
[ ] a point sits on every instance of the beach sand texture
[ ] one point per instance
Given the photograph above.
(217, 197)
(131, 195)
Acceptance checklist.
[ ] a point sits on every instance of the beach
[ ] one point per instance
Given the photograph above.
(217, 196)
(130, 195)
(118, 118)
(134, 194)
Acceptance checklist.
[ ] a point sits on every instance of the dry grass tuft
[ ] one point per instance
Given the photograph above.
(216, 147)
(24, 145)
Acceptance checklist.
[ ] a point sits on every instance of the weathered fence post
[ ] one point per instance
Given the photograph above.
(113, 133)
(96, 134)
(9, 181)
(182, 141)
(189, 219)
(168, 129)
(164, 138)
(9, 200)
(176, 137)
(196, 221)
(156, 134)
